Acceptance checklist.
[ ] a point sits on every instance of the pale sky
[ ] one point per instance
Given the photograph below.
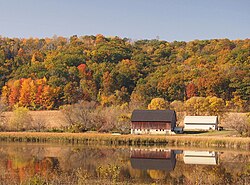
(181, 20)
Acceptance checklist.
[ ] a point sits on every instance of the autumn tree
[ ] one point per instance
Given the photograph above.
(14, 92)
(33, 94)
(48, 97)
(71, 93)
(196, 106)
(25, 97)
(191, 90)
(236, 103)
(216, 106)
(158, 104)
(37, 56)
(199, 106)
(177, 105)
(107, 83)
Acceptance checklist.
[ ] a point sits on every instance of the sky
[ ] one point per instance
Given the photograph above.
(180, 20)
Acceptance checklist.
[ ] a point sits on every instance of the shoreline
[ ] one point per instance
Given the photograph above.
(130, 140)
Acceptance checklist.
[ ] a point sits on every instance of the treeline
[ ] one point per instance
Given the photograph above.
(51, 72)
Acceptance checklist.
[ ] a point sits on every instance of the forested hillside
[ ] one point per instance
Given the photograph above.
(47, 73)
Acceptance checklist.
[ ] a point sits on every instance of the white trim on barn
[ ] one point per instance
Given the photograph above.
(149, 131)
(201, 123)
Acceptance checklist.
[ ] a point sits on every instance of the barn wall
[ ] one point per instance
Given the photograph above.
(200, 126)
(150, 127)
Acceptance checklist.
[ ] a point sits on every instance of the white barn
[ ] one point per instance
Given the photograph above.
(201, 122)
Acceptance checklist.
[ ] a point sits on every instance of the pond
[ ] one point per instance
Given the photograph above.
(24, 163)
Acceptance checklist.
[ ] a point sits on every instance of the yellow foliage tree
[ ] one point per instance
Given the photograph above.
(158, 104)
(24, 99)
(177, 105)
(196, 106)
(238, 103)
(216, 105)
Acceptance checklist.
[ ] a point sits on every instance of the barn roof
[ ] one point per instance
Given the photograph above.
(153, 164)
(153, 115)
(201, 119)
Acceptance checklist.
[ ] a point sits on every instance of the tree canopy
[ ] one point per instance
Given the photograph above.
(49, 72)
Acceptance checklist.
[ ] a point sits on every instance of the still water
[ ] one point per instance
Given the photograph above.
(90, 164)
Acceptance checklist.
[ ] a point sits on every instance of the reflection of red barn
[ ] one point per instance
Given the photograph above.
(152, 159)
(153, 121)
(151, 154)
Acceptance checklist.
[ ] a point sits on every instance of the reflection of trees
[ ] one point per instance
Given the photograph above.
(238, 166)
(226, 172)
(71, 163)
(157, 174)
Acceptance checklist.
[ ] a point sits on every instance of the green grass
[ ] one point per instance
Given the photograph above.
(223, 133)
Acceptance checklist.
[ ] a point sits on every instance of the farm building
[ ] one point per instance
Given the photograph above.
(201, 123)
(152, 159)
(153, 121)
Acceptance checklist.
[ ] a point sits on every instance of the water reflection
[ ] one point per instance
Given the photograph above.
(165, 159)
(201, 157)
(152, 159)
(54, 164)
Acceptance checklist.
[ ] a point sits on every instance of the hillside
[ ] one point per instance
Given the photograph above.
(49, 72)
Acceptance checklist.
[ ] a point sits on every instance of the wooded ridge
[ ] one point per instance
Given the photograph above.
(49, 72)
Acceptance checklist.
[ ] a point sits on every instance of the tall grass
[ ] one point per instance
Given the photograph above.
(101, 138)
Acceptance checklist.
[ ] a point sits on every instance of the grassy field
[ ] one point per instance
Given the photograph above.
(103, 138)
(51, 118)
(223, 133)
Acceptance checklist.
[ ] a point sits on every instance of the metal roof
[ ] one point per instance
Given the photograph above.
(201, 119)
(153, 115)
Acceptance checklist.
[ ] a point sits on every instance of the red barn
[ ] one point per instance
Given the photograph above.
(153, 121)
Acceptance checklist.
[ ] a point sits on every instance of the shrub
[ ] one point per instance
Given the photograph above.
(38, 124)
(78, 116)
(87, 116)
(239, 122)
(21, 119)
